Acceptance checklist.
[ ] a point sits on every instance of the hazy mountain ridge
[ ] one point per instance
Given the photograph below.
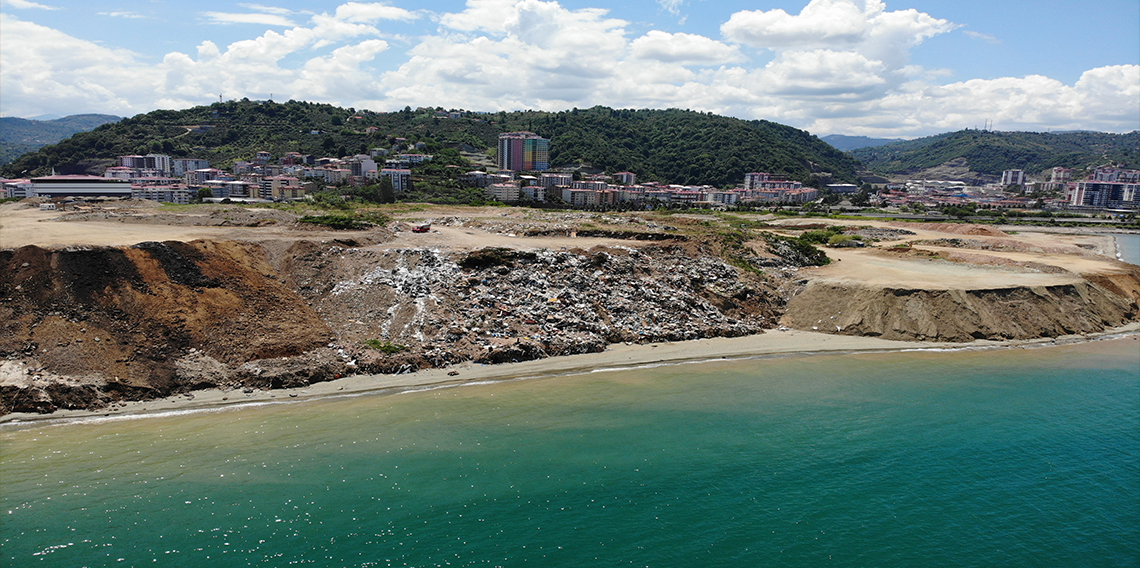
(848, 143)
(21, 135)
(990, 153)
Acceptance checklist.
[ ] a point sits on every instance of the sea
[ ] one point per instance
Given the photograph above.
(973, 457)
(1128, 248)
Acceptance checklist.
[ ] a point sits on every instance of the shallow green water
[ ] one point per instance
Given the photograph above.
(995, 458)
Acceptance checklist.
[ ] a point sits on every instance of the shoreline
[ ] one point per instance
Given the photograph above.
(617, 357)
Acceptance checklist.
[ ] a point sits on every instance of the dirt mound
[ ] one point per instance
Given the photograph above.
(964, 315)
(954, 229)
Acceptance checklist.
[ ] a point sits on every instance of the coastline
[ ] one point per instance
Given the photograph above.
(771, 343)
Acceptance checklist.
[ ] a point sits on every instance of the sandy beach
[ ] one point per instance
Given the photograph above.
(618, 356)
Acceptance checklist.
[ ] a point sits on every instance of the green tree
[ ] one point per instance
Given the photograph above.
(387, 193)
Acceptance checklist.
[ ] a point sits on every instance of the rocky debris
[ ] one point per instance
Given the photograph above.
(197, 370)
(500, 305)
(880, 234)
(316, 366)
(210, 216)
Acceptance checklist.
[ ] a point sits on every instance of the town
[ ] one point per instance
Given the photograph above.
(524, 175)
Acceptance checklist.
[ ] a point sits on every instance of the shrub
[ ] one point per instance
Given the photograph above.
(386, 347)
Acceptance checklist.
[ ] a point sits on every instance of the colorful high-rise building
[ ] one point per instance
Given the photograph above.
(523, 151)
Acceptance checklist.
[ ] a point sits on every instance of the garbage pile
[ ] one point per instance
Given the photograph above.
(500, 305)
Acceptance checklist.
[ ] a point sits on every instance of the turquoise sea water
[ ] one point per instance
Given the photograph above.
(1128, 248)
(1024, 457)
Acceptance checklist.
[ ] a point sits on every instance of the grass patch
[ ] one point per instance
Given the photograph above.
(359, 221)
(386, 347)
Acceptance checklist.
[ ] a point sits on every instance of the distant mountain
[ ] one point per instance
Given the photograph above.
(991, 153)
(673, 146)
(21, 135)
(848, 143)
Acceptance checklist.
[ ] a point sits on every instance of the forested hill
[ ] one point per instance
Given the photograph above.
(994, 152)
(675, 146)
(21, 135)
(681, 146)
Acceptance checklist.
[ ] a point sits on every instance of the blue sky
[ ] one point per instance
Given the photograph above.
(898, 68)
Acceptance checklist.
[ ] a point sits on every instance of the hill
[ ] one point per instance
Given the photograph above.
(21, 135)
(848, 143)
(990, 153)
(676, 146)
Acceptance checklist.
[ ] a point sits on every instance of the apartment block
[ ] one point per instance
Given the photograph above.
(523, 151)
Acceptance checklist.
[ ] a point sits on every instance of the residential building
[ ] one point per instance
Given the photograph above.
(504, 192)
(625, 178)
(1061, 175)
(580, 197)
(550, 181)
(412, 159)
(16, 188)
(199, 177)
(594, 185)
(1091, 193)
(754, 179)
(401, 178)
(180, 166)
(164, 193)
(160, 162)
(1013, 177)
(535, 193)
(523, 151)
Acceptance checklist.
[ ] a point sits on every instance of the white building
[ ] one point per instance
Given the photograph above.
(504, 192)
(401, 179)
(79, 186)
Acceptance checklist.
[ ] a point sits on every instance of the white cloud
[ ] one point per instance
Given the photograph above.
(862, 26)
(672, 6)
(982, 37)
(684, 48)
(268, 9)
(263, 19)
(358, 12)
(823, 72)
(127, 15)
(27, 5)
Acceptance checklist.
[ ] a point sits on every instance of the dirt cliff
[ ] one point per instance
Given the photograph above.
(1017, 312)
(115, 321)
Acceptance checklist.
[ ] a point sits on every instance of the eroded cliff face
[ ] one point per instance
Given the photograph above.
(104, 324)
(1085, 306)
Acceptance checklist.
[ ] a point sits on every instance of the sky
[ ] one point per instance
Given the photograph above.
(903, 68)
